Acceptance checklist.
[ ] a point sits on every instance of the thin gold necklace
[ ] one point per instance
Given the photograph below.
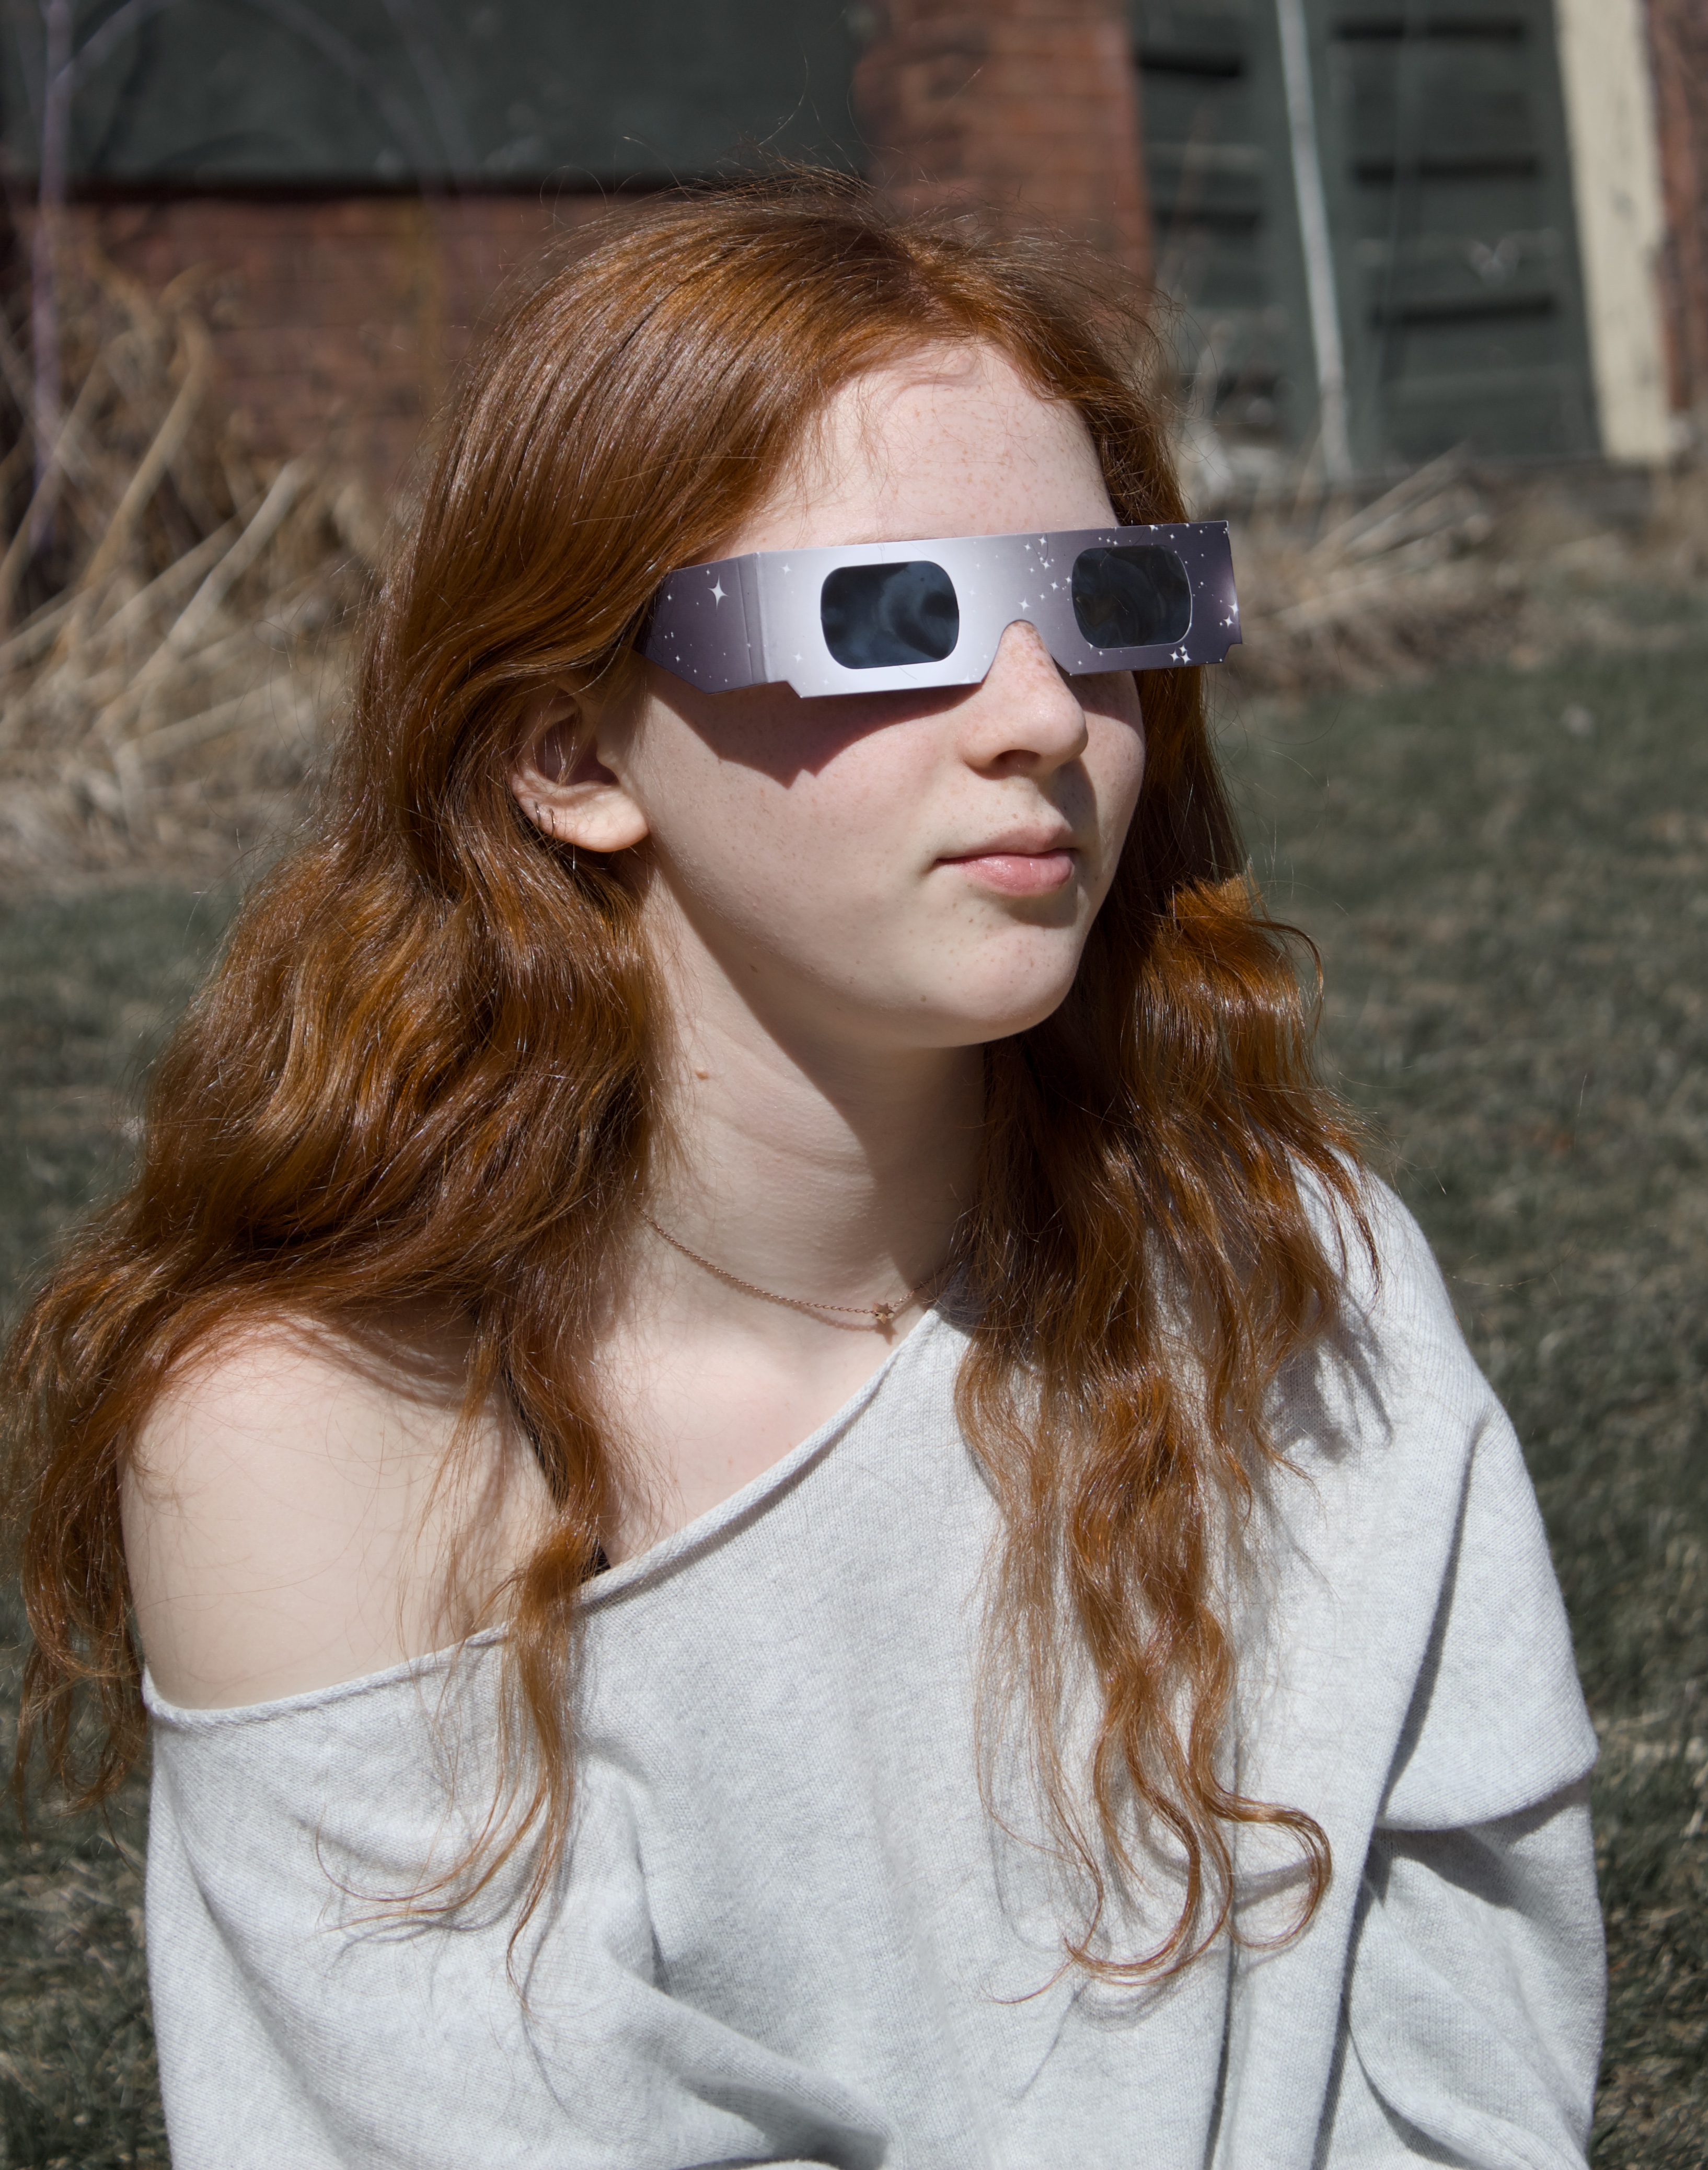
(881, 1316)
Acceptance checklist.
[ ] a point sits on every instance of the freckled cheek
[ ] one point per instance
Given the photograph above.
(799, 858)
(1132, 780)
(1114, 770)
(867, 810)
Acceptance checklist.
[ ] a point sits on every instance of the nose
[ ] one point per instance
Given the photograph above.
(1025, 718)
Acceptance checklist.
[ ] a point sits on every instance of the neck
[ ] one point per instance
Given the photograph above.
(805, 1164)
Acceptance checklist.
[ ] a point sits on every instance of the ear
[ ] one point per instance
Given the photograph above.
(564, 786)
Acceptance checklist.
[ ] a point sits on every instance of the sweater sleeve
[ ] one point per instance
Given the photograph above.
(1473, 2009)
(1432, 1721)
(302, 2020)
(1476, 1983)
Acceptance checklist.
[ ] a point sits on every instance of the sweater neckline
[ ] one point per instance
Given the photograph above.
(644, 1570)
(671, 1554)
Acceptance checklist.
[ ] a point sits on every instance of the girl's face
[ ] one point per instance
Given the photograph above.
(917, 868)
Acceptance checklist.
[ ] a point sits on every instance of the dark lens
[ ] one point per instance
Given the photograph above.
(1134, 595)
(875, 615)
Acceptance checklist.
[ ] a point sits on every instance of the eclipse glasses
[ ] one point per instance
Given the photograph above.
(872, 617)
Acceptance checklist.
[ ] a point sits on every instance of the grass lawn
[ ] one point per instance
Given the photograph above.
(1508, 877)
(87, 987)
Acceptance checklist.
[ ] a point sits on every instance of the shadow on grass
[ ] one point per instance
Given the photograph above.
(1508, 877)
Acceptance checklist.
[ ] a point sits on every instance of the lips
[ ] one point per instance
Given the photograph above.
(1029, 863)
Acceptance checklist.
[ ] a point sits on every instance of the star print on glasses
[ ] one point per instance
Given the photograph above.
(877, 617)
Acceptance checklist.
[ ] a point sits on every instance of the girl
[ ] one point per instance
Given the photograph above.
(786, 1499)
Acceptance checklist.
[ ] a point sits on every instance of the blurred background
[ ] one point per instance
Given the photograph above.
(1432, 305)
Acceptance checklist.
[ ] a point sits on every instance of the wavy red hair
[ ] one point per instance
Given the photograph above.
(421, 1070)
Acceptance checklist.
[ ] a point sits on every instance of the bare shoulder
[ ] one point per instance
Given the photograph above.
(304, 1507)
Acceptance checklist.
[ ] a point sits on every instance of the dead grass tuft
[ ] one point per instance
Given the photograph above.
(184, 617)
(1455, 566)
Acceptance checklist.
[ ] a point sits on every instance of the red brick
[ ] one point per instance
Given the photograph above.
(1029, 106)
(1678, 42)
(345, 313)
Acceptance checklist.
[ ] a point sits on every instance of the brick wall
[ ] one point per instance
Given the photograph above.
(333, 321)
(1031, 105)
(338, 320)
(341, 319)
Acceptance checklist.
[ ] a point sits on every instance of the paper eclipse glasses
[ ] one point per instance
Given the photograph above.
(876, 616)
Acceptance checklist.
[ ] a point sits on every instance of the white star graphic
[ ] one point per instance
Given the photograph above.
(717, 592)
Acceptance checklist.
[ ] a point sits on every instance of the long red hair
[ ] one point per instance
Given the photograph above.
(421, 1070)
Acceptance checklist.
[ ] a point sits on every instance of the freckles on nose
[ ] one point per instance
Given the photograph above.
(1023, 655)
(1026, 701)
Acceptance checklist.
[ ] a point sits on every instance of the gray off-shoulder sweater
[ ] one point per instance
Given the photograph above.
(791, 1930)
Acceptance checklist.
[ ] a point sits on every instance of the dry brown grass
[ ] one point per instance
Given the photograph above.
(1452, 566)
(163, 700)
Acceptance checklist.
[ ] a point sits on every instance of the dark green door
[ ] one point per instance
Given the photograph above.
(1445, 162)
(343, 94)
(1441, 144)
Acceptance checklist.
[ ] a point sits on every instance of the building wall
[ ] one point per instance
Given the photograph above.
(1028, 105)
(334, 322)
(1488, 180)
(273, 156)
(339, 318)
(348, 93)
(1223, 209)
(1679, 46)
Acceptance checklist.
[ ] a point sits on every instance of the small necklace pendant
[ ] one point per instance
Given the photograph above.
(866, 1316)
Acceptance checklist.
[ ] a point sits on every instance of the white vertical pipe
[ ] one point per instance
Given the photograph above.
(1313, 233)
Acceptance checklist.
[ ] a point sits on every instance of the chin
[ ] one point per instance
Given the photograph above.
(964, 1021)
